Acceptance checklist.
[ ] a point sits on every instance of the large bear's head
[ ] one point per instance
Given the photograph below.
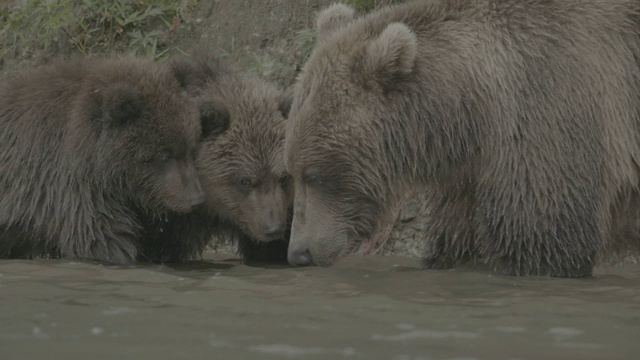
(340, 133)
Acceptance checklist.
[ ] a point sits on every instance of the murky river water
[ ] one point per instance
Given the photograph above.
(362, 308)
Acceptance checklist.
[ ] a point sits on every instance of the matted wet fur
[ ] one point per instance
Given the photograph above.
(85, 146)
(519, 117)
(240, 164)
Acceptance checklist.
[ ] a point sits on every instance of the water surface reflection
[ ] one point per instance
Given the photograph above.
(370, 307)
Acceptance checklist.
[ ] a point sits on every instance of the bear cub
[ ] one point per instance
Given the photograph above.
(88, 148)
(240, 163)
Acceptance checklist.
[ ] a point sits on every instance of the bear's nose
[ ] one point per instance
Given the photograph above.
(299, 258)
(197, 200)
(196, 193)
(274, 232)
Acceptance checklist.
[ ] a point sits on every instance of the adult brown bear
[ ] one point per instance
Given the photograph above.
(520, 117)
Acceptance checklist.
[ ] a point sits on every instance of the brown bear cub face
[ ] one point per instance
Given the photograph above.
(87, 145)
(242, 170)
(153, 127)
(240, 164)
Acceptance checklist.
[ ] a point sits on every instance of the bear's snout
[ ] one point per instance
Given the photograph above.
(274, 231)
(299, 257)
(196, 193)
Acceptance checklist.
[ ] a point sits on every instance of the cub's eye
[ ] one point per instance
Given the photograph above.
(245, 181)
(159, 158)
(164, 156)
(283, 179)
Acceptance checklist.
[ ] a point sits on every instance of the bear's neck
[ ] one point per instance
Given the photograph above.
(429, 136)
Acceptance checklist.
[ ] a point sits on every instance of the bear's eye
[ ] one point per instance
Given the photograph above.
(164, 156)
(245, 181)
(312, 178)
(283, 179)
(159, 157)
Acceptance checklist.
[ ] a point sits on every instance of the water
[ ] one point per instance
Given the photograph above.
(362, 308)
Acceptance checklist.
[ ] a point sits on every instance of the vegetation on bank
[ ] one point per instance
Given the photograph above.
(34, 28)
(140, 27)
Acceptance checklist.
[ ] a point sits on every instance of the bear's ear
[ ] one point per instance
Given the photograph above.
(332, 18)
(122, 104)
(391, 54)
(285, 101)
(190, 73)
(214, 118)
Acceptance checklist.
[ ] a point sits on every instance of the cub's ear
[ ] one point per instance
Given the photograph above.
(332, 18)
(193, 73)
(393, 53)
(285, 101)
(122, 104)
(187, 71)
(214, 118)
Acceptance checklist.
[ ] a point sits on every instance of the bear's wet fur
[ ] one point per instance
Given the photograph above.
(520, 118)
(86, 147)
(240, 164)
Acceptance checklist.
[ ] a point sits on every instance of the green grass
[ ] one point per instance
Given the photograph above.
(306, 40)
(87, 26)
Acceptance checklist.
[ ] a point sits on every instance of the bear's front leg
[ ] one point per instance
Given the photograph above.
(449, 230)
(110, 236)
(175, 237)
(539, 235)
